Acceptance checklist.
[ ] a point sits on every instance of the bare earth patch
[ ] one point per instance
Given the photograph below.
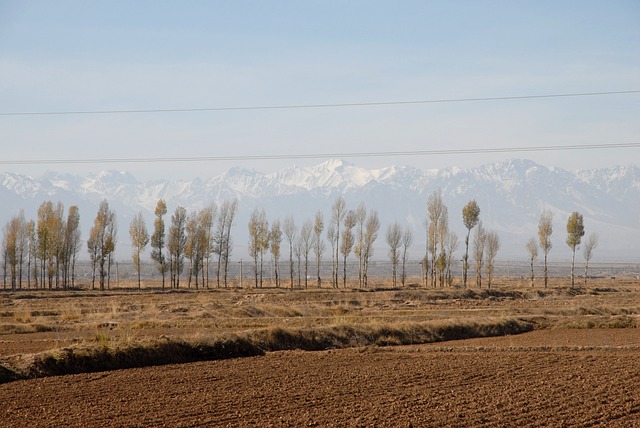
(580, 367)
(562, 378)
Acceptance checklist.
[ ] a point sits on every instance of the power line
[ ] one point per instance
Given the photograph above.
(315, 106)
(441, 152)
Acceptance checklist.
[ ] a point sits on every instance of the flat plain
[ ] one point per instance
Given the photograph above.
(577, 366)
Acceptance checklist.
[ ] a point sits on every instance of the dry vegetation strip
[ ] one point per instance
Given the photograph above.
(45, 334)
(107, 356)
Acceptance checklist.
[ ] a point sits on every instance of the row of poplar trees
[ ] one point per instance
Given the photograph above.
(575, 232)
(346, 231)
(190, 243)
(42, 252)
(355, 231)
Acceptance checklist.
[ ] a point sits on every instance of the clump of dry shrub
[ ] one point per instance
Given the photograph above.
(112, 355)
(406, 333)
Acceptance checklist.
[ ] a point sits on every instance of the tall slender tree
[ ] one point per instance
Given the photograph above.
(437, 230)
(545, 229)
(258, 242)
(372, 227)
(360, 216)
(230, 208)
(306, 243)
(176, 245)
(407, 240)
(394, 240)
(139, 240)
(72, 241)
(333, 242)
(575, 232)
(206, 218)
(275, 241)
(290, 232)
(318, 228)
(158, 239)
(338, 212)
(493, 245)
(346, 243)
(532, 249)
(102, 241)
(479, 243)
(470, 218)
(222, 242)
(589, 246)
(32, 253)
(11, 250)
(451, 246)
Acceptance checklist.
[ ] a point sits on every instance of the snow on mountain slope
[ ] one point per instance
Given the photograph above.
(511, 195)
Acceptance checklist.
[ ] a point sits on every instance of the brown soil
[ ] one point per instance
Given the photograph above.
(543, 378)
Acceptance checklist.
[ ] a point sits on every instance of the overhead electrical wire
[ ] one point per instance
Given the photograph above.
(316, 106)
(441, 152)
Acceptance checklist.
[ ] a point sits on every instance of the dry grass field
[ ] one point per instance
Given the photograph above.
(513, 355)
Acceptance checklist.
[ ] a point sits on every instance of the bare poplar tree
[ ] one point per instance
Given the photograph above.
(11, 250)
(493, 245)
(318, 227)
(407, 240)
(23, 246)
(258, 242)
(228, 241)
(306, 242)
(176, 244)
(589, 246)
(297, 252)
(437, 213)
(290, 232)
(56, 228)
(194, 247)
(347, 243)
(575, 232)
(333, 241)
(532, 249)
(372, 227)
(424, 263)
(158, 238)
(93, 244)
(206, 217)
(222, 242)
(110, 244)
(32, 252)
(338, 212)
(49, 240)
(470, 218)
(139, 240)
(394, 239)
(451, 247)
(360, 216)
(72, 241)
(545, 229)
(102, 241)
(275, 239)
(479, 241)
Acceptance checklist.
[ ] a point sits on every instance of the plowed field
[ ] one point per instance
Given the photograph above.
(543, 378)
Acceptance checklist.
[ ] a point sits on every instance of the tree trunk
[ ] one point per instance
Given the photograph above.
(573, 259)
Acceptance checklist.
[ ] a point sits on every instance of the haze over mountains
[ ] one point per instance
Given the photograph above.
(511, 196)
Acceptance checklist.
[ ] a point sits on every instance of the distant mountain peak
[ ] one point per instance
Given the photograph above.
(335, 164)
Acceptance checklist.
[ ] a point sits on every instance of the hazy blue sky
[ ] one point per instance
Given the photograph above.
(114, 55)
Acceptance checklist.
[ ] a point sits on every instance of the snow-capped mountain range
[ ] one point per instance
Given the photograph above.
(511, 196)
